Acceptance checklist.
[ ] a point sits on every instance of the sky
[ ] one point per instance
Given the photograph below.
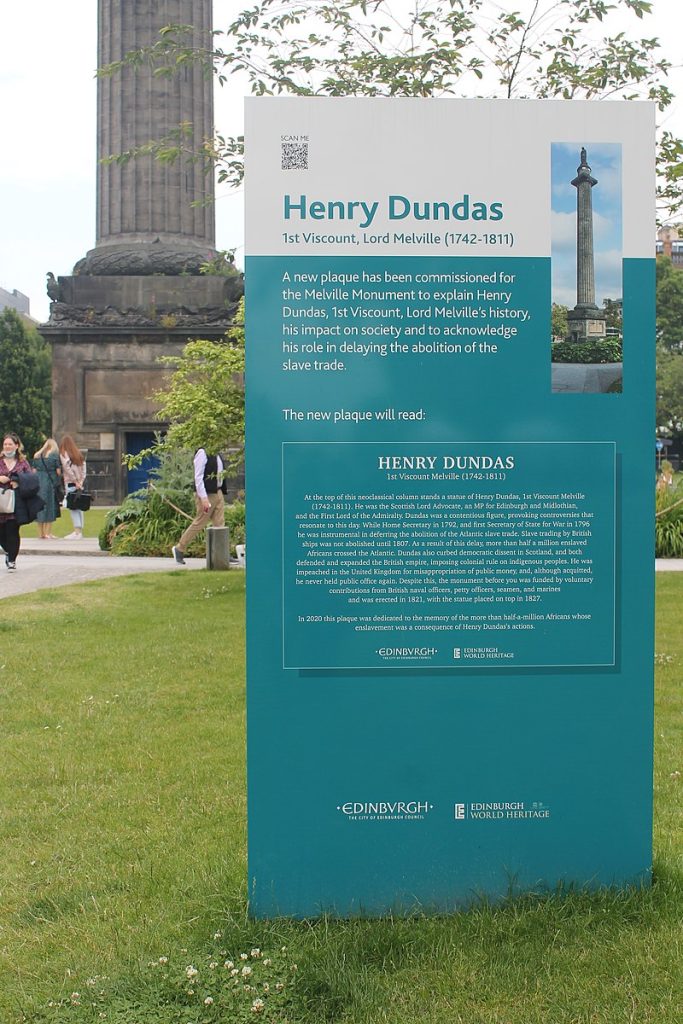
(605, 163)
(48, 54)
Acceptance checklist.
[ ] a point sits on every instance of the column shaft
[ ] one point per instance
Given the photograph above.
(144, 200)
(585, 259)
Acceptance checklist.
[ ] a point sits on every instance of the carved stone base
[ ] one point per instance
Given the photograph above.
(143, 258)
(586, 323)
(107, 335)
(97, 301)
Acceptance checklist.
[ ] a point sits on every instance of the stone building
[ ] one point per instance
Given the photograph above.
(669, 243)
(139, 293)
(15, 300)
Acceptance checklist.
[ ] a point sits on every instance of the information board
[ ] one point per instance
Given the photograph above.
(450, 380)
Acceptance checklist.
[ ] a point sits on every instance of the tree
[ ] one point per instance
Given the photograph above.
(669, 305)
(559, 327)
(426, 48)
(203, 401)
(25, 395)
(614, 317)
(669, 392)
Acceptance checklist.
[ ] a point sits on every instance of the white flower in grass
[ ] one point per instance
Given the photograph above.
(208, 1001)
(75, 996)
(217, 936)
(279, 987)
(163, 960)
(267, 962)
(248, 988)
(246, 971)
(266, 987)
(233, 972)
(257, 1006)
(191, 972)
(255, 954)
(91, 982)
(213, 965)
(244, 956)
(228, 965)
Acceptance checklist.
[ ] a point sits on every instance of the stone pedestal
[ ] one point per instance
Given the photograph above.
(586, 324)
(107, 335)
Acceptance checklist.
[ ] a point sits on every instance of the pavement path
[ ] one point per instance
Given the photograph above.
(577, 378)
(56, 563)
(42, 564)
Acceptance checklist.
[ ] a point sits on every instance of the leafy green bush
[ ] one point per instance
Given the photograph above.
(607, 350)
(150, 521)
(669, 522)
(235, 520)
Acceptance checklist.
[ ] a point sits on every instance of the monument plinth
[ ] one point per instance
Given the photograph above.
(139, 293)
(586, 320)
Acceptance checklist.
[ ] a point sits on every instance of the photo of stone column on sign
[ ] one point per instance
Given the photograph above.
(586, 249)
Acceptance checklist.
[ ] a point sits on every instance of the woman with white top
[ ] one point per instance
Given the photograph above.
(73, 474)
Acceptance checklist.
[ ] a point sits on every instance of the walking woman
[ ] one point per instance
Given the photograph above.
(48, 466)
(12, 462)
(73, 475)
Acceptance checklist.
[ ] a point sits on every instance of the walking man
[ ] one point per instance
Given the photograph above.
(210, 489)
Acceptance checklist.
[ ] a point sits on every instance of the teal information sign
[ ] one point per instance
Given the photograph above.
(449, 492)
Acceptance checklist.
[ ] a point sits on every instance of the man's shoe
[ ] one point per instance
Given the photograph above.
(178, 555)
(10, 565)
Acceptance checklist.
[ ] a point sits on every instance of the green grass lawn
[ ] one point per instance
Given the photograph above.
(94, 521)
(123, 839)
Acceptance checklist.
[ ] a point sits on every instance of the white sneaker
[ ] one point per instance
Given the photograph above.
(73, 536)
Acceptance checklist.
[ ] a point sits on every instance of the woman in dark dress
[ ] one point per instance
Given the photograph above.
(48, 466)
(12, 461)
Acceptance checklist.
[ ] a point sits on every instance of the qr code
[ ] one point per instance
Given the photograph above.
(294, 156)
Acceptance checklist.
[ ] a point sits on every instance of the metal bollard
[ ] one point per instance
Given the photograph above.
(218, 547)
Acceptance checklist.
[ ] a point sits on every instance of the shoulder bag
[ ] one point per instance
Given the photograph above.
(7, 501)
(57, 483)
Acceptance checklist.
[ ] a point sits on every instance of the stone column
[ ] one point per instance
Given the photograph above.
(139, 294)
(144, 202)
(586, 320)
(585, 260)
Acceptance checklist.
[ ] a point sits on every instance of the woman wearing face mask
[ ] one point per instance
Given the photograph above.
(12, 462)
(73, 475)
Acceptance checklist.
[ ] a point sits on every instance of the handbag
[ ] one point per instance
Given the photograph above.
(78, 501)
(7, 501)
(57, 483)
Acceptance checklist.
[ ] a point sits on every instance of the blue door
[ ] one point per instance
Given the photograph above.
(136, 442)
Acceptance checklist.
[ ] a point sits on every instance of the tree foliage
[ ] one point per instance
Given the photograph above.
(203, 401)
(669, 305)
(26, 392)
(669, 392)
(614, 315)
(559, 324)
(552, 49)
